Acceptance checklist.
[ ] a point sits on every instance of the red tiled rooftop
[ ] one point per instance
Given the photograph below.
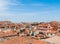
(22, 40)
(8, 33)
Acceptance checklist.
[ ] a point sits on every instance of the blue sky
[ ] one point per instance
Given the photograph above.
(30, 10)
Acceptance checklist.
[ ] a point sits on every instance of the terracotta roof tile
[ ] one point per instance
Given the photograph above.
(22, 40)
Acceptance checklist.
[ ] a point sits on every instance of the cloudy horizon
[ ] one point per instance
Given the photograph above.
(30, 10)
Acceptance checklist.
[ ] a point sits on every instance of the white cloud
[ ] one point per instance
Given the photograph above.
(3, 5)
